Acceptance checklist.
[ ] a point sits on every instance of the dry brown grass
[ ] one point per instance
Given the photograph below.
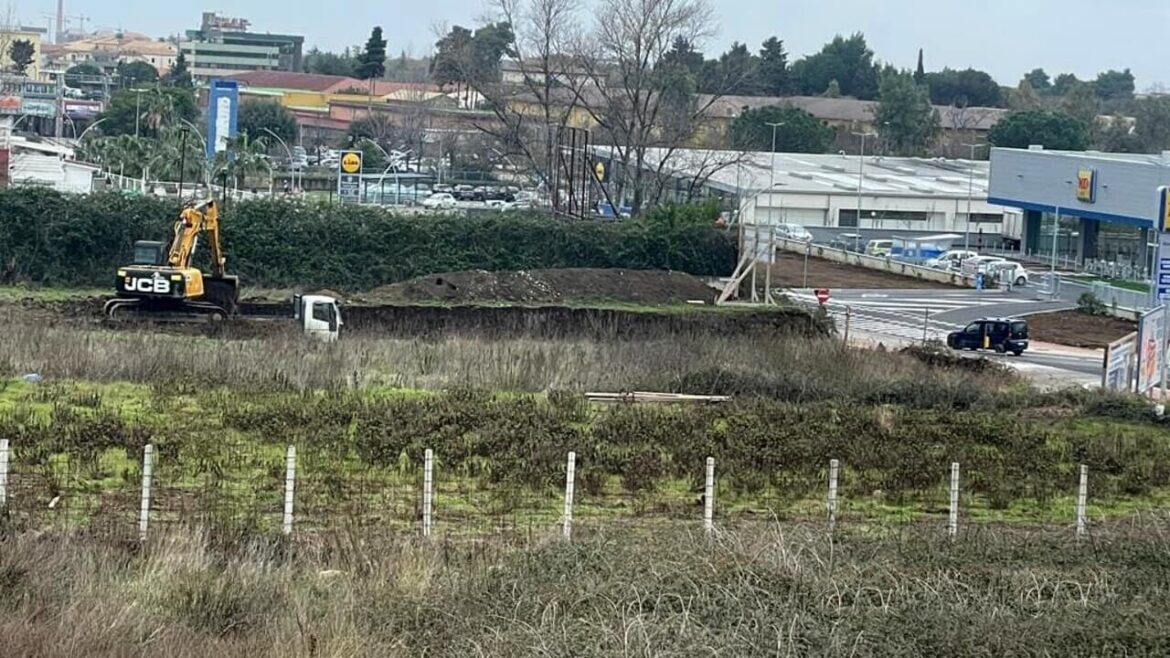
(764, 590)
(793, 368)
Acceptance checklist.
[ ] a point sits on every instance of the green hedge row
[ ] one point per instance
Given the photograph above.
(49, 238)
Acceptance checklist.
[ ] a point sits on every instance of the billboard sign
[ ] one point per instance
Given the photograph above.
(1162, 259)
(1119, 360)
(223, 102)
(80, 110)
(1087, 185)
(9, 104)
(1151, 348)
(349, 177)
(38, 107)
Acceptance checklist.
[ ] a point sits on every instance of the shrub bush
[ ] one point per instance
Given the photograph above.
(50, 238)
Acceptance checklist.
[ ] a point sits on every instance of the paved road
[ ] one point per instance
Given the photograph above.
(901, 317)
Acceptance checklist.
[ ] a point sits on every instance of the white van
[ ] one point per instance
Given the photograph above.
(951, 259)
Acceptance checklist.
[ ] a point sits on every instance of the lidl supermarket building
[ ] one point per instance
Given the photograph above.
(1089, 205)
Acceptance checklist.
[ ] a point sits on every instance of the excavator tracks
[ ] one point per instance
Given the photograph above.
(129, 309)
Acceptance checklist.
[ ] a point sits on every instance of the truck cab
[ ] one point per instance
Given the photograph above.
(318, 315)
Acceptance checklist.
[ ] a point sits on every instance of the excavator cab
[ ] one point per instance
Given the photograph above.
(162, 282)
(147, 252)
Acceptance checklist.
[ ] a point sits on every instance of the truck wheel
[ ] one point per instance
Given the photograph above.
(999, 349)
(1021, 281)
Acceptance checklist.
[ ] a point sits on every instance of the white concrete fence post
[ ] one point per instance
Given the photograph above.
(147, 481)
(290, 479)
(834, 471)
(709, 498)
(3, 472)
(428, 490)
(570, 477)
(1082, 498)
(953, 521)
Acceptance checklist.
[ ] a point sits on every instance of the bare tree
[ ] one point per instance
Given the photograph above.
(638, 105)
(537, 94)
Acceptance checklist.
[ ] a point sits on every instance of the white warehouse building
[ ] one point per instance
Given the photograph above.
(896, 196)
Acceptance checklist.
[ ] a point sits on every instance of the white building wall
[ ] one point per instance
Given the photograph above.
(943, 215)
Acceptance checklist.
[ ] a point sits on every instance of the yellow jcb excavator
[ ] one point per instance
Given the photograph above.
(162, 281)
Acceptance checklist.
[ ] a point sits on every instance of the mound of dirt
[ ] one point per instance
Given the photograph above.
(556, 286)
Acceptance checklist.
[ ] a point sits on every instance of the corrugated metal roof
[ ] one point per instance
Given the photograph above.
(803, 173)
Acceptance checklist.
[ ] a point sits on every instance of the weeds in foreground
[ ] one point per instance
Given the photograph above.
(759, 590)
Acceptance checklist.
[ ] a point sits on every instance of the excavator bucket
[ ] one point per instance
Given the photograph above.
(223, 291)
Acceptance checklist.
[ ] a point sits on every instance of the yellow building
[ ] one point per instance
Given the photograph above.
(9, 36)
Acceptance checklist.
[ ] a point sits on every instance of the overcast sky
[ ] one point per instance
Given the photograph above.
(1004, 37)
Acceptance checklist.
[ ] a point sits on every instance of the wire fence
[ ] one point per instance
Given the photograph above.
(251, 489)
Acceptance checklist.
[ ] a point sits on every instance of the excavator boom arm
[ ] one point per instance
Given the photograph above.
(201, 218)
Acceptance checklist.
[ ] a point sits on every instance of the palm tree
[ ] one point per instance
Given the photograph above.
(248, 157)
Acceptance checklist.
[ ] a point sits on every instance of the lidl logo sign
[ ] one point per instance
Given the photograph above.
(1087, 185)
(351, 162)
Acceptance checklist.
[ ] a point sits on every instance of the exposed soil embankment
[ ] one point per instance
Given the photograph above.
(563, 322)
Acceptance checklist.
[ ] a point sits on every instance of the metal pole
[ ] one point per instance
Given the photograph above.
(772, 173)
(1082, 497)
(768, 262)
(861, 174)
(1163, 347)
(147, 479)
(834, 471)
(970, 193)
(288, 152)
(925, 325)
(953, 520)
(860, 180)
(570, 476)
(807, 248)
(848, 316)
(3, 473)
(290, 477)
(428, 490)
(1055, 234)
(709, 498)
(137, 109)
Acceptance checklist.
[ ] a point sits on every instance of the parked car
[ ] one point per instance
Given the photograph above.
(848, 242)
(464, 193)
(977, 264)
(880, 248)
(439, 201)
(1007, 271)
(605, 211)
(951, 260)
(999, 334)
(793, 232)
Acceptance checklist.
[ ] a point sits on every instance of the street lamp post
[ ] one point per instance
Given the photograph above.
(772, 173)
(970, 193)
(288, 152)
(138, 108)
(87, 129)
(861, 172)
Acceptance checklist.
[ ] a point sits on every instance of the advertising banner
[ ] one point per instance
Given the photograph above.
(80, 110)
(1151, 349)
(38, 107)
(1120, 357)
(222, 105)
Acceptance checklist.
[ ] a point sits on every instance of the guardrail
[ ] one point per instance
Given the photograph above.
(880, 263)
